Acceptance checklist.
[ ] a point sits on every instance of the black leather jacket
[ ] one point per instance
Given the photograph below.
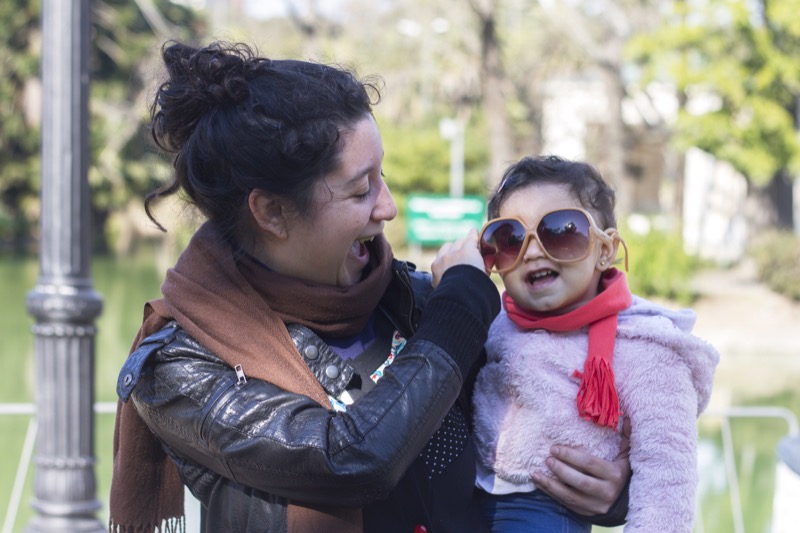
(402, 452)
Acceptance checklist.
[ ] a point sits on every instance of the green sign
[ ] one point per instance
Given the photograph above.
(436, 219)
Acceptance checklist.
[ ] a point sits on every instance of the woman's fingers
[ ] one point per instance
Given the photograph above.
(625, 444)
(462, 252)
(584, 483)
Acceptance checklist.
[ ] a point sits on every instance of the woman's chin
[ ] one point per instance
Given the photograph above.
(353, 270)
(349, 277)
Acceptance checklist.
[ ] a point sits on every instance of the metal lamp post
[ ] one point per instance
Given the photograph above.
(63, 302)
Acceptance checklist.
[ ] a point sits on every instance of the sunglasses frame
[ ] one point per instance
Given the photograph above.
(607, 237)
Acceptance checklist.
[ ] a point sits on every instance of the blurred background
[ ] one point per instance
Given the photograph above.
(690, 108)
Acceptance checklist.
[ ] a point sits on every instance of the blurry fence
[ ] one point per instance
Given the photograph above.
(24, 461)
(786, 491)
(787, 483)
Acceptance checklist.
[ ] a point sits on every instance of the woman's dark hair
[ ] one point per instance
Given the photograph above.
(236, 122)
(581, 179)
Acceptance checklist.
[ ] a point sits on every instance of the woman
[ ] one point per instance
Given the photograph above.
(289, 375)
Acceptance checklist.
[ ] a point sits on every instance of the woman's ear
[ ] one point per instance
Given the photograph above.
(268, 212)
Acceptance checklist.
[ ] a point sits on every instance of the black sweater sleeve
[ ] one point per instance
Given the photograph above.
(286, 444)
(618, 512)
(458, 314)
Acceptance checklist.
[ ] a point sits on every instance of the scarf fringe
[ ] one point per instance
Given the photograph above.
(169, 525)
(597, 396)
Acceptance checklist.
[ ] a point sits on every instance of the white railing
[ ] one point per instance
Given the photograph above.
(28, 409)
(24, 461)
(726, 415)
(779, 525)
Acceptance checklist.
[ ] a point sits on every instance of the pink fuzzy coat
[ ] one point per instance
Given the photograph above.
(525, 402)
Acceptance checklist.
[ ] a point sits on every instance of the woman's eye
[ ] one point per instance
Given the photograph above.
(363, 196)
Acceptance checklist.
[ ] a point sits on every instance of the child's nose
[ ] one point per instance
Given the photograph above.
(533, 250)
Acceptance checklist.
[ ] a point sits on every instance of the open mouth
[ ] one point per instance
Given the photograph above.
(541, 277)
(360, 250)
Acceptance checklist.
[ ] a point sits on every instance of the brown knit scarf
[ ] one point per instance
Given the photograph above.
(236, 309)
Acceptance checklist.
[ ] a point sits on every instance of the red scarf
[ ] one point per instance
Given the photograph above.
(597, 395)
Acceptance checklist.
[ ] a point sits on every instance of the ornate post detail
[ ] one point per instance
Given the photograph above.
(63, 302)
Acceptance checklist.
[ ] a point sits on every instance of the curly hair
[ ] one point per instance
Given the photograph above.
(236, 122)
(583, 181)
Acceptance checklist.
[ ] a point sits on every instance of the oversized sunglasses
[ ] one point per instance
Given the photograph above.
(564, 235)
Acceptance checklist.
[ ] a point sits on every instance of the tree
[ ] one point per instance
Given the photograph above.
(125, 35)
(736, 67)
(589, 38)
(494, 89)
(19, 121)
(126, 41)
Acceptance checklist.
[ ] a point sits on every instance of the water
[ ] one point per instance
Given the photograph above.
(126, 283)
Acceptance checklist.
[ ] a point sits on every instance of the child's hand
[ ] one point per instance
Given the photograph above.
(461, 252)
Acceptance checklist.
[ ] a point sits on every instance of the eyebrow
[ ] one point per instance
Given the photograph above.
(364, 171)
(358, 176)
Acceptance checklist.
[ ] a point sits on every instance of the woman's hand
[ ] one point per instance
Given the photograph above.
(461, 252)
(586, 484)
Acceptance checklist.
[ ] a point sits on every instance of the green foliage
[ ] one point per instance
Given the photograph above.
(742, 59)
(124, 65)
(777, 258)
(417, 160)
(659, 267)
(122, 48)
(19, 134)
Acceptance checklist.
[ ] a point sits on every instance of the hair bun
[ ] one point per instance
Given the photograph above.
(200, 80)
(214, 75)
(221, 78)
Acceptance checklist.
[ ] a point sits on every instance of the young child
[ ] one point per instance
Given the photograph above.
(573, 352)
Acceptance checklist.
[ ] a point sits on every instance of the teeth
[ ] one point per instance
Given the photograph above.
(540, 274)
(366, 240)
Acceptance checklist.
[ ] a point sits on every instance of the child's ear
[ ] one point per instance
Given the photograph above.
(269, 213)
(608, 254)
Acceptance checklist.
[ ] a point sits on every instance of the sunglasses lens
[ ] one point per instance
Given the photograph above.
(565, 234)
(501, 243)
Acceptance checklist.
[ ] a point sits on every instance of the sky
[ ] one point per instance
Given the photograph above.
(265, 9)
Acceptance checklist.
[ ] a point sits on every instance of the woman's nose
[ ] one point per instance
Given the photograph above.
(385, 208)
